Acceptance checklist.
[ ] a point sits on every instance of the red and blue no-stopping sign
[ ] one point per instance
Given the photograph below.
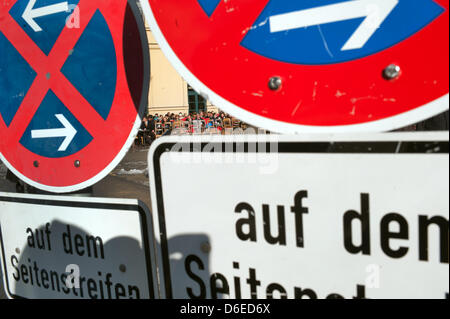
(312, 65)
(74, 78)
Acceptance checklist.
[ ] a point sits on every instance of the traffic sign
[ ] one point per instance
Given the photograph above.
(311, 66)
(61, 248)
(74, 82)
(309, 216)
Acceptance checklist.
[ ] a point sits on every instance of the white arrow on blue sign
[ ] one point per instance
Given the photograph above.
(31, 13)
(374, 12)
(315, 32)
(68, 132)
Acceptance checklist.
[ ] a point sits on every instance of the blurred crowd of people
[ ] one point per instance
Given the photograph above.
(154, 126)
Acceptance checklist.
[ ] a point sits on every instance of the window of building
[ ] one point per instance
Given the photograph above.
(197, 103)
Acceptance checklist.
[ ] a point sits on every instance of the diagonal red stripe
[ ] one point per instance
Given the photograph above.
(28, 108)
(79, 107)
(69, 37)
(2, 125)
(49, 74)
(23, 43)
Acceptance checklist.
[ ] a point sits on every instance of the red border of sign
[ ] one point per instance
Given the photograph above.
(351, 96)
(112, 137)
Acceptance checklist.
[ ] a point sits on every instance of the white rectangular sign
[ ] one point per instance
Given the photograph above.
(70, 248)
(302, 217)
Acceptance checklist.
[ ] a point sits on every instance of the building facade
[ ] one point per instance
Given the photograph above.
(169, 92)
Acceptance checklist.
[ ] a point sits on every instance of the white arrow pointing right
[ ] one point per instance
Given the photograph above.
(375, 12)
(68, 132)
(30, 14)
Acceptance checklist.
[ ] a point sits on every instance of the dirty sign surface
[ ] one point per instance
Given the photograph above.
(328, 65)
(73, 81)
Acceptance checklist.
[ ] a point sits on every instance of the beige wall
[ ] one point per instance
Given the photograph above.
(168, 90)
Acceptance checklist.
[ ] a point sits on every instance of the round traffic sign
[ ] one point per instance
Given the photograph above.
(74, 82)
(312, 65)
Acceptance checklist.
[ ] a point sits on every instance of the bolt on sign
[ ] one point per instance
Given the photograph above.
(74, 78)
(61, 247)
(311, 66)
(302, 217)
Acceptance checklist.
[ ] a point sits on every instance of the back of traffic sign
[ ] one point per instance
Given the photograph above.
(313, 65)
(74, 77)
